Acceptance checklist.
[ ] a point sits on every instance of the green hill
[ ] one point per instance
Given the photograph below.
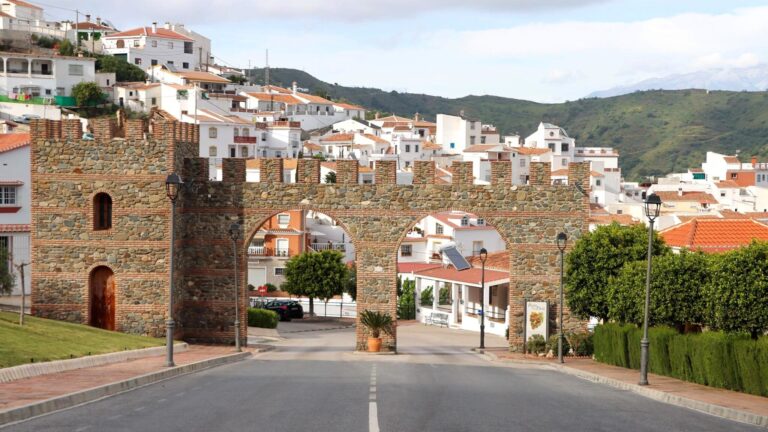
(656, 132)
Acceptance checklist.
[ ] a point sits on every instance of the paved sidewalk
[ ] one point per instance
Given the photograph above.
(716, 401)
(40, 388)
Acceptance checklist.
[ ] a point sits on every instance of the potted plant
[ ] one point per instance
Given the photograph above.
(376, 322)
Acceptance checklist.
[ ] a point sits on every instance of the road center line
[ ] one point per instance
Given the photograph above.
(373, 410)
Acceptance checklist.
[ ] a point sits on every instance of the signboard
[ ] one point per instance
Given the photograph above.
(262, 290)
(536, 319)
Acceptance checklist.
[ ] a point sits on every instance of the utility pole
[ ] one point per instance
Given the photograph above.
(266, 83)
(77, 30)
(20, 269)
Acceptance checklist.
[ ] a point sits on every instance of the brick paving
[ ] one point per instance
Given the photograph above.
(716, 396)
(37, 389)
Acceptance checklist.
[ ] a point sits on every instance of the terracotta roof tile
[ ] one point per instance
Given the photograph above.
(313, 98)
(339, 137)
(699, 197)
(376, 139)
(531, 151)
(14, 228)
(727, 184)
(480, 148)
(13, 141)
(277, 97)
(147, 31)
(715, 235)
(495, 261)
(413, 267)
(471, 276)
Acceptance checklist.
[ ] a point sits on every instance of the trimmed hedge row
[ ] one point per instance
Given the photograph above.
(731, 361)
(262, 318)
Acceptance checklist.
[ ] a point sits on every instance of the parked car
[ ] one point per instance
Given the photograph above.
(294, 307)
(282, 309)
(25, 118)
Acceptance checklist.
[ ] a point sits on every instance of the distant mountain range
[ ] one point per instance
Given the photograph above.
(656, 132)
(734, 79)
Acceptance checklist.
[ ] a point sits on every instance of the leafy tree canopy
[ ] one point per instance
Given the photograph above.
(87, 93)
(123, 70)
(316, 275)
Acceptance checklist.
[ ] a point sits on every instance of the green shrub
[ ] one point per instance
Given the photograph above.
(262, 318)
(582, 344)
(634, 336)
(746, 354)
(680, 357)
(426, 298)
(536, 344)
(712, 361)
(658, 352)
(611, 344)
(762, 360)
(552, 344)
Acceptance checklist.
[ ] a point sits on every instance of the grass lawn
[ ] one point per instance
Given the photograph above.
(44, 340)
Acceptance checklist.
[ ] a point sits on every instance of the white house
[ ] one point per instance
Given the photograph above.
(20, 19)
(15, 202)
(456, 133)
(25, 76)
(171, 45)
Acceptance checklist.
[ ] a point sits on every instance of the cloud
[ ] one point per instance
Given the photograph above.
(209, 12)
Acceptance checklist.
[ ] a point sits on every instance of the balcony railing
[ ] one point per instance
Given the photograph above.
(262, 251)
(341, 247)
(245, 140)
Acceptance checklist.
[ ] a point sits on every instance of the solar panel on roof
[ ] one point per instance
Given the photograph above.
(456, 258)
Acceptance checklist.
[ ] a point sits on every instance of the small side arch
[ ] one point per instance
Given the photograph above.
(101, 294)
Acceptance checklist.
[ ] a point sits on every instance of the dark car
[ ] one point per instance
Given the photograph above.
(294, 307)
(281, 309)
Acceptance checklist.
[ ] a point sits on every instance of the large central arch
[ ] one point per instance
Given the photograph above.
(377, 217)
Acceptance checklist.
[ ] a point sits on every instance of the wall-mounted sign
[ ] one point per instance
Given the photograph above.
(536, 319)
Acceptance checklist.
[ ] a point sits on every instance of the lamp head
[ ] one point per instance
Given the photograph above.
(652, 206)
(562, 239)
(483, 255)
(172, 185)
(234, 231)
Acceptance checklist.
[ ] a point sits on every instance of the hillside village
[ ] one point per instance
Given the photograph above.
(186, 82)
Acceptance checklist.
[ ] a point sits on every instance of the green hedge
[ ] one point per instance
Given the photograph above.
(262, 318)
(716, 359)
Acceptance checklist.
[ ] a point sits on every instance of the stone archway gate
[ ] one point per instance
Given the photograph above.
(377, 217)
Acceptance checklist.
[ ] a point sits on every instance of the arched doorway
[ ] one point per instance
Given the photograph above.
(102, 298)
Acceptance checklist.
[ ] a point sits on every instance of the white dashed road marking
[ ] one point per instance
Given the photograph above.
(373, 410)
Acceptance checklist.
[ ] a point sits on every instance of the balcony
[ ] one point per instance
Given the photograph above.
(245, 140)
(262, 251)
(317, 247)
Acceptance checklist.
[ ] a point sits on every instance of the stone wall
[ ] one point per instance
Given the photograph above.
(67, 173)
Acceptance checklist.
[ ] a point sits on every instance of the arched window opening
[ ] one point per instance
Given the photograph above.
(102, 212)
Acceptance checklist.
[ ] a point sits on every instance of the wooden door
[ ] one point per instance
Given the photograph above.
(102, 287)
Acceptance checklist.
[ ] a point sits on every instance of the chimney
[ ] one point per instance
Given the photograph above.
(754, 161)
(98, 20)
(377, 115)
(461, 113)
(87, 18)
(154, 27)
(416, 117)
(167, 25)
(680, 192)
(293, 87)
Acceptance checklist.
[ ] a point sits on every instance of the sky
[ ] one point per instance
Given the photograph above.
(541, 50)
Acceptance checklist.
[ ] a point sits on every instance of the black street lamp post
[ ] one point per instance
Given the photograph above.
(172, 185)
(483, 257)
(652, 210)
(562, 239)
(234, 234)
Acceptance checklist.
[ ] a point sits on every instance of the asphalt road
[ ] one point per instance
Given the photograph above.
(312, 382)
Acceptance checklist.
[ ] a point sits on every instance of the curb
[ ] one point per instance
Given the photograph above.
(36, 369)
(490, 356)
(320, 329)
(671, 399)
(73, 399)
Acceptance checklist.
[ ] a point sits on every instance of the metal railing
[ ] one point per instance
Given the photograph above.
(267, 252)
(341, 247)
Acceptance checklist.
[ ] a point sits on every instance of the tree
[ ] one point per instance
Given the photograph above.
(66, 48)
(677, 281)
(330, 177)
(598, 256)
(123, 70)
(737, 293)
(350, 283)
(316, 275)
(7, 277)
(237, 79)
(87, 93)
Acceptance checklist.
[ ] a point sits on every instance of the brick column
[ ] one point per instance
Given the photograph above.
(578, 174)
(501, 173)
(54, 129)
(38, 130)
(195, 169)
(72, 129)
(386, 172)
(134, 129)
(103, 129)
(462, 173)
(271, 170)
(347, 171)
(233, 170)
(423, 172)
(309, 171)
(541, 174)
(376, 288)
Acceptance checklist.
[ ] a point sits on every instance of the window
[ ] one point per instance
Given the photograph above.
(185, 65)
(279, 271)
(245, 132)
(598, 182)
(406, 250)
(564, 162)
(472, 125)
(137, 60)
(407, 148)
(480, 222)
(153, 62)
(722, 194)
(283, 219)
(135, 42)
(8, 195)
(154, 101)
(5, 246)
(102, 212)
(465, 221)
(416, 148)
(187, 47)
(75, 70)
(472, 140)
(482, 139)
(213, 132)
(453, 145)
(564, 147)
(551, 134)
(438, 228)
(233, 151)
(170, 45)
(170, 62)
(244, 151)
(476, 246)
(551, 146)
(281, 248)
(522, 163)
(48, 92)
(154, 44)
(237, 132)
(734, 175)
(212, 151)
